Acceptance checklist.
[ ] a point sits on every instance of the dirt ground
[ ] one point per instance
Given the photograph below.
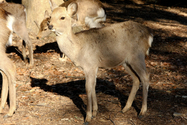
(52, 92)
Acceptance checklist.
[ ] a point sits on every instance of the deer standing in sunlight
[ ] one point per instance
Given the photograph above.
(7, 67)
(124, 43)
(19, 26)
(84, 16)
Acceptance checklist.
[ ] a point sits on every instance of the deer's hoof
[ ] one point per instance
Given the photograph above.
(140, 116)
(88, 118)
(86, 123)
(125, 110)
(94, 114)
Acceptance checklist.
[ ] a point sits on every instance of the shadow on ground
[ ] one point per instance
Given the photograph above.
(155, 100)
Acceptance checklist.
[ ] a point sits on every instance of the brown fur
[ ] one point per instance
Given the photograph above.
(123, 43)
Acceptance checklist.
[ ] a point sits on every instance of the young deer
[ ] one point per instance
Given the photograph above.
(19, 26)
(7, 67)
(43, 27)
(85, 16)
(123, 43)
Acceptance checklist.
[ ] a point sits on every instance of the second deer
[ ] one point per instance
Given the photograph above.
(84, 16)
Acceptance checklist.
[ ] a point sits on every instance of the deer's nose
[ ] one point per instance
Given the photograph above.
(50, 27)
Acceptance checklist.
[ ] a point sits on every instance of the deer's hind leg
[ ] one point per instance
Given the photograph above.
(135, 87)
(139, 69)
(4, 92)
(12, 90)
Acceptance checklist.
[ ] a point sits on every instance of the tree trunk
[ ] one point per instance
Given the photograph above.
(35, 12)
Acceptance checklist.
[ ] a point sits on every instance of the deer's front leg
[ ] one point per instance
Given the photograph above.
(90, 91)
(94, 99)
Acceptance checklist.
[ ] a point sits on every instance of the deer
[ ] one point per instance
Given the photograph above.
(7, 67)
(19, 26)
(43, 27)
(85, 17)
(126, 43)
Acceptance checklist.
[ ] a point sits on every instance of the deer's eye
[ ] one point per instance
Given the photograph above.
(62, 18)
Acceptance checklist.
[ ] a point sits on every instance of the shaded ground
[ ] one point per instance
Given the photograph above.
(53, 92)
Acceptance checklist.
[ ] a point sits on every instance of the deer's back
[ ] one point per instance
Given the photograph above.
(4, 31)
(17, 10)
(86, 8)
(114, 44)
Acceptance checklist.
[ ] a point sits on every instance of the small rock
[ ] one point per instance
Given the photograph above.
(176, 114)
(41, 104)
(184, 96)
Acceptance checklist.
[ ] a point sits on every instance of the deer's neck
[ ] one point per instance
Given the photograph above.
(68, 45)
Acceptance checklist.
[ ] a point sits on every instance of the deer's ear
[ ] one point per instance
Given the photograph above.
(46, 14)
(72, 9)
(52, 5)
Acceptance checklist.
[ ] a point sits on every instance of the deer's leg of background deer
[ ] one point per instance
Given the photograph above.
(90, 85)
(4, 92)
(24, 50)
(134, 89)
(29, 44)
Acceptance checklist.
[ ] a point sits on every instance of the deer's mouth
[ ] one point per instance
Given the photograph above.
(57, 33)
(54, 30)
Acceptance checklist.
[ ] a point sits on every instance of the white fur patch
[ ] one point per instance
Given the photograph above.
(9, 43)
(25, 10)
(10, 21)
(147, 52)
(93, 22)
(150, 40)
(101, 14)
(148, 88)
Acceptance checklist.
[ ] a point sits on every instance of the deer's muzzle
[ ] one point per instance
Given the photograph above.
(50, 27)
